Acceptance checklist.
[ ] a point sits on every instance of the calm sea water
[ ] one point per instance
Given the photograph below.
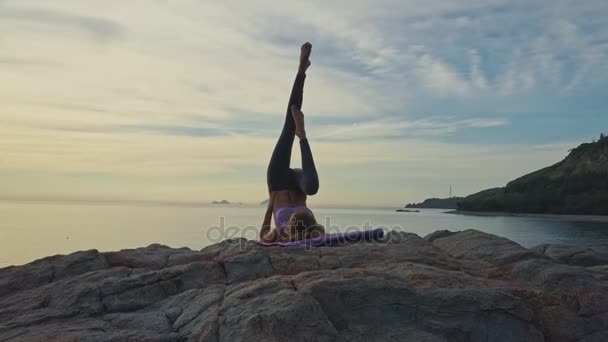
(29, 231)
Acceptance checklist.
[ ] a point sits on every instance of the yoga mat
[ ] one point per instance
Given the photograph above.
(331, 239)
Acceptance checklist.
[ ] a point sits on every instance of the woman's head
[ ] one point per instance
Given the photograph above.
(303, 224)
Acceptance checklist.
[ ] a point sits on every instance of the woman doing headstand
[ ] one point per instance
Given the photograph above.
(287, 187)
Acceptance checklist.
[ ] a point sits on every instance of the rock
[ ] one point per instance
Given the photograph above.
(601, 268)
(251, 265)
(48, 269)
(154, 256)
(144, 289)
(153, 321)
(574, 255)
(438, 234)
(487, 315)
(449, 286)
(273, 308)
(356, 309)
(493, 249)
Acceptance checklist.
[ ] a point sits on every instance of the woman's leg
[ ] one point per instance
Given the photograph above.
(309, 183)
(279, 176)
(307, 178)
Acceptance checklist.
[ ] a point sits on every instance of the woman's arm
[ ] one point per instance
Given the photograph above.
(267, 234)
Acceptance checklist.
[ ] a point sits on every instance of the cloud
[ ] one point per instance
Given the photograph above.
(440, 78)
(25, 62)
(391, 128)
(212, 165)
(199, 88)
(97, 28)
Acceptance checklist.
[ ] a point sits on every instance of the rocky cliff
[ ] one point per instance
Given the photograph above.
(437, 203)
(576, 185)
(463, 286)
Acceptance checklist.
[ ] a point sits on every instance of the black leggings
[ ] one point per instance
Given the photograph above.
(280, 176)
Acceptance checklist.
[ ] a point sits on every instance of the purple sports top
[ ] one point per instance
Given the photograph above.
(281, 216)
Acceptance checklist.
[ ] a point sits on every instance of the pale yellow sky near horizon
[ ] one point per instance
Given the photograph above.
(184, 100)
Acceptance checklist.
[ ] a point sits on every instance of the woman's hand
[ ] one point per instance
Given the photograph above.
(267, 234)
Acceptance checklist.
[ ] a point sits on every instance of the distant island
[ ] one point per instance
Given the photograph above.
(437, 203)
(220, 202)
(407, 211)
(576, 185)
(264, 202)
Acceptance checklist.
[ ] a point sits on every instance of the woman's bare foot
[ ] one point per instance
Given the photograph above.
(298, 118)
(305, 51)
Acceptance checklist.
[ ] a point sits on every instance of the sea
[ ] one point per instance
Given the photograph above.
(30, 230)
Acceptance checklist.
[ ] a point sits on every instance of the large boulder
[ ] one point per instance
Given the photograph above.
(449, 286)
(473, 244)
(575, 255)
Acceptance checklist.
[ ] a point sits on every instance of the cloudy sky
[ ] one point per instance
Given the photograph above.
(182, 100)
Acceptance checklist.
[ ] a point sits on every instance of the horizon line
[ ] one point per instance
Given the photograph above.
(154, 202)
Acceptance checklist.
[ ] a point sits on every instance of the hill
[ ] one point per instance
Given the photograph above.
(576, 185)
(437, 203)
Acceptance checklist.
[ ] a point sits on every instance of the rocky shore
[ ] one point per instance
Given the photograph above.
(448, 286)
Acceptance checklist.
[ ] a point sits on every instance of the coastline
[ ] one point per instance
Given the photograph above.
(557, 217)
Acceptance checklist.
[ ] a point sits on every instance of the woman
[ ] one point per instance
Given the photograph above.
(289, 187)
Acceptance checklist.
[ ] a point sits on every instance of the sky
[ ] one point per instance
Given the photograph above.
(183, 100)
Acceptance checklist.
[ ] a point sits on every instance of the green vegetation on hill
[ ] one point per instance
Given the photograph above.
(437, 203)
(576, 185)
